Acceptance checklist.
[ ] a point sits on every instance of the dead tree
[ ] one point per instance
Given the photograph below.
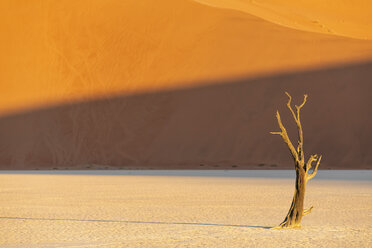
(303, 174)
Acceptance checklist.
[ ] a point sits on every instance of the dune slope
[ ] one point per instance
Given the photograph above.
(58, 51)
(172, 83)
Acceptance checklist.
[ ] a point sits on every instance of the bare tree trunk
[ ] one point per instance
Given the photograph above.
(296, 211)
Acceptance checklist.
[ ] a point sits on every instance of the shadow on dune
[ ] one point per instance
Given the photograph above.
(134, 222)
(223, 124)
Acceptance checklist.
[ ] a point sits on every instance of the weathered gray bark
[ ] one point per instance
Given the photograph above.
(296, 211)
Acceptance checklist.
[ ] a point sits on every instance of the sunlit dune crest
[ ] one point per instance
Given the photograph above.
(62, 51)
(339, 17)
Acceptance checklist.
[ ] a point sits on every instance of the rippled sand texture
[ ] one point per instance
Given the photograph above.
(176, 211)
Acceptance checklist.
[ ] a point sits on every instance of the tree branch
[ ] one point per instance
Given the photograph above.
(300, 151)
(310, 176)
(308, 211)
(289, 105)
(310, 161)
(298, 108)
(276, 133)
(300, 133)
(285, 137)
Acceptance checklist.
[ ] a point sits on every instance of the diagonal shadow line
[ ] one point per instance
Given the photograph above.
(64, 135)
(136, 222)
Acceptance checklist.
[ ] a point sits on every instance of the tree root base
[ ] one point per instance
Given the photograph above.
(288, 225)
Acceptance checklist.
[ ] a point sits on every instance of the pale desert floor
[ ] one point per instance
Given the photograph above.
(181, 209)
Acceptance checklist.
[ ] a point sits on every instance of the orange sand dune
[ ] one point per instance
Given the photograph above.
(57, 51)
(156, 66)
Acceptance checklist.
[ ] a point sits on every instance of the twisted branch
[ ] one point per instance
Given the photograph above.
(289, 106)
(310, 176)
(310, 161)
(298, 108)
(297, 154)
